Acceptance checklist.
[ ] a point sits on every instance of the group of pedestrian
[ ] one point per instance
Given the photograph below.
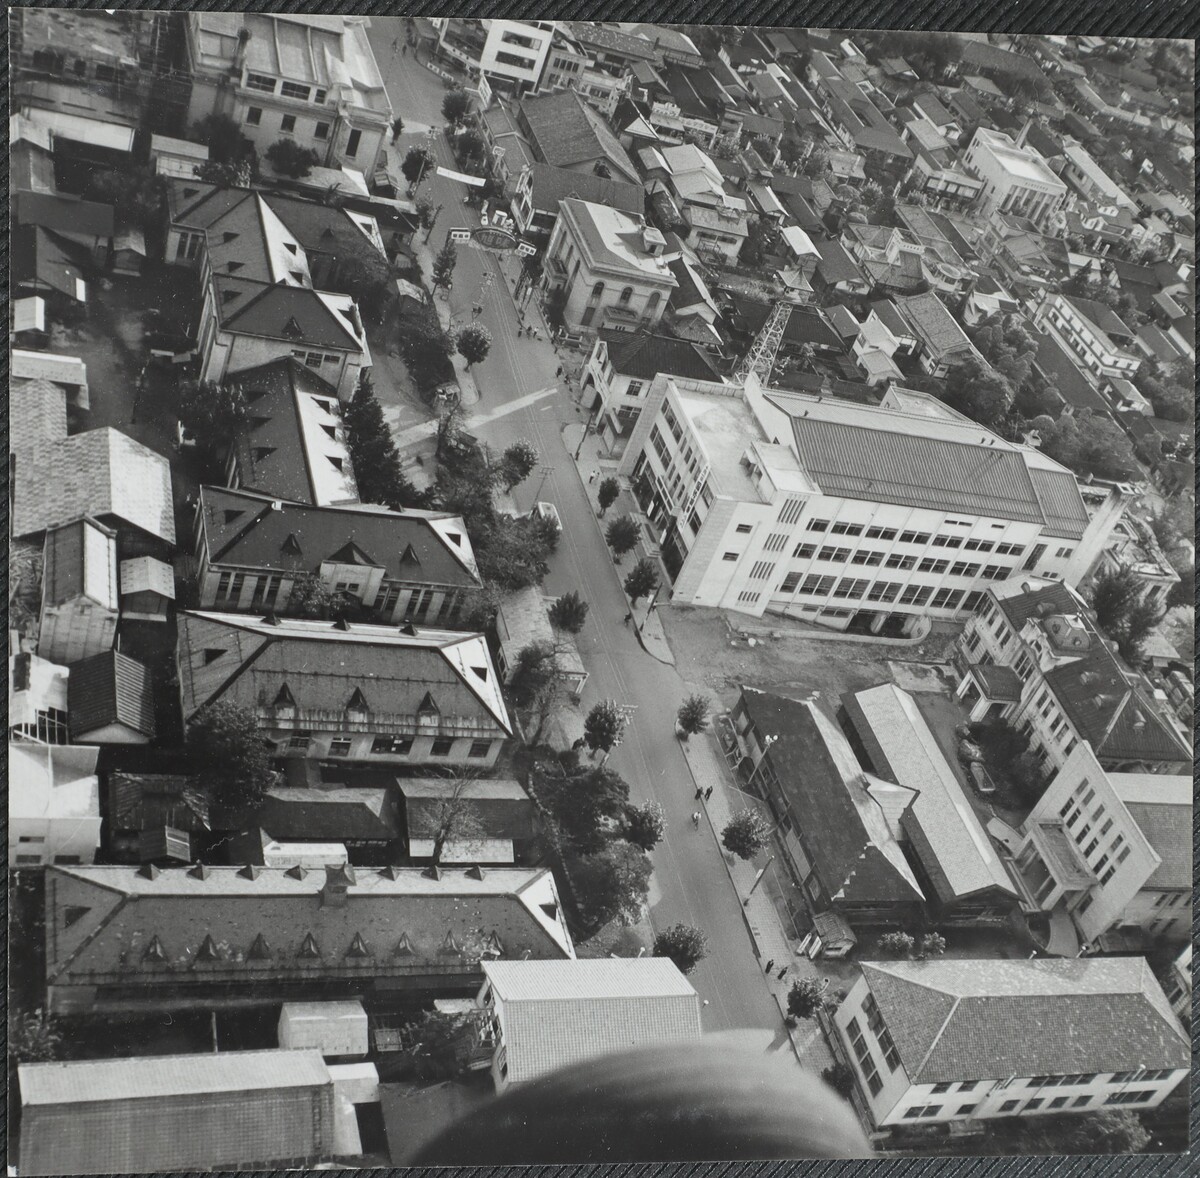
(771, 965)
(702, 793)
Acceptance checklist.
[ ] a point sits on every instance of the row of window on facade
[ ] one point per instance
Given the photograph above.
(265, 593)
(388, 746)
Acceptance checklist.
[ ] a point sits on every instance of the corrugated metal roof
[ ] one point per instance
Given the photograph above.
(630, 977)
(110, 688)
(937, 473)
(152, 1077)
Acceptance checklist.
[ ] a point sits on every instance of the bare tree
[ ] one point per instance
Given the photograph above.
(456, 819)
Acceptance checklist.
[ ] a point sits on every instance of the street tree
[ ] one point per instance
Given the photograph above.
(470, 145)
(455, 818)
(645, 825)
(805, 998)
(231, 756)
(443, 265)
(896, 944)
(416, 162)
(604, 726)
(684, 945)
(373, 452)
(288, 158)
(1113, 595)
(474, 343)
(607, 494)
(537, 684)
(746, 833)
(517, 463)
(425, 348)
(425, 212)
(840, 1078)
(642, 579)
(931, 945)
(212, 414)
(222, 136)
(455, 105)
(569, 613)
(34, 1036)
(612, 884)
(622, 534)
(692, 717)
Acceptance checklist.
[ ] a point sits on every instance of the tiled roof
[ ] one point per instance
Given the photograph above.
(101, 473)
(1041, 601)
(295, 314)
(248, 660)
(556, 1013)
(142, 801)
(902, 748)
(1061, 371)
(645, 355)
(625, 44)
(836, 265)
(966, 1019)
(999, 682)
(1100, 315)
(250, 531)
(551, 184)
(933, 324)
(37, 416)
(567, 131)
(807, 325)
(329, 815)
(1057, 492)
(981, 55)
(110, 688)
(499, 808)
(854, 852)
(1168, 829)
(270, 923)
(284, 447)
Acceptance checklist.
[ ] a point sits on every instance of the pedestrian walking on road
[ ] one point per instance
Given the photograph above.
(708, 793)
(769, 966)
(696, 819)
(593, 476)
(628, 618)
(783, 972)
(699, 792)
(559, 372)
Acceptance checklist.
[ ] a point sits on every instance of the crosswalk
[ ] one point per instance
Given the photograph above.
(427, 429)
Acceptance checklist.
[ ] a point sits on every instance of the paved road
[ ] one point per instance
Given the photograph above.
(690, 882)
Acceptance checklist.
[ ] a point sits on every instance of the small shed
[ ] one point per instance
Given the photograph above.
(177, 157)
(830, 936)
(129, 251)
(147, 589)
(29, 322)
(165, 844)
(333, 1028)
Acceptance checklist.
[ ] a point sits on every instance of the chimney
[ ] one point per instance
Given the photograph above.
(338, 881)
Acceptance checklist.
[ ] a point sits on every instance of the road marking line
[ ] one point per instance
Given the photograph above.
(425, 429)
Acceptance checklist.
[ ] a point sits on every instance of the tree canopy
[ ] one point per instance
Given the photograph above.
(746, 833)
(612, 884)
(684, 945)
(1087, 443)
(474, 342)
(231, 756)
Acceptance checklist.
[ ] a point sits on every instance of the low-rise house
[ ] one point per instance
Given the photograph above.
(1090, 180)
(942, 342)
(1096, 335)
(961, 874)
(472, 820)
(1069, 686)
(540, 187)
(611, 268)
(366, 821)
(352, 691)
(401, 566)
(155, 816)
(1108, 855)
(293, 442)
(619, 372)
(837, 273)
(44, 266)
(53, 804)
(87, 224)
(563, 130)
(124, 938)
(80, 602)
(37, 697)
(523, 619)
(930, 109)
(540, 1016)
(837, 824)
(177, 1112)
(954, 1041)
(1133, 546)
(1057, 366)
(110, 700)
(147, 589)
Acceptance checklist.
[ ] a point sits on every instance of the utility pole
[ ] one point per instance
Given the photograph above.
(543, 471)
(757, 880)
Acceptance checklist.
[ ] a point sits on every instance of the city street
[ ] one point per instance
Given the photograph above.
(690, 880)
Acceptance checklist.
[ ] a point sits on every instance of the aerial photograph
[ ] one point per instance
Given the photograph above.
(596, 592)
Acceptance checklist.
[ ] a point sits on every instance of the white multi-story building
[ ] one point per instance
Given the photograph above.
(1032, 655)
(612, 268)
(53, 804)
(1097, 337)
(301, 76)
(510, 53)
(1015, 177)
(954, 1040)
(839, 513)
(1111, 852)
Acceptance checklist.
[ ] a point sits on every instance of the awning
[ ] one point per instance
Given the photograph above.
(113, 136)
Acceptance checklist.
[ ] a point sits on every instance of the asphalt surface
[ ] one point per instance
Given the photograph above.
(690, 882)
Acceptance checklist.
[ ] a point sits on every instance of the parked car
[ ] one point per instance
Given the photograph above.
(549, 512)
(981, 779)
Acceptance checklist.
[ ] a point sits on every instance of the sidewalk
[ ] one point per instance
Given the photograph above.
(708, 768)
(593, 468)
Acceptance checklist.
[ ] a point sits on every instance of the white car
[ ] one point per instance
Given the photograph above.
(549, 512)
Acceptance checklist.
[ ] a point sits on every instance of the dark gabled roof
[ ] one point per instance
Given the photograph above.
(329, 815)
(1058, 367)
(968, 1019)
(613, 40)
(806, 325)
(321, 229)
(67, 214)
(567, 131)
(145, 801)
(1053, 598)
(244, 529)
(983, 56)
(551, 184)
(836, 265)
(195, 204)
(110, 688)
(39, 256)
(274, 311)
(1102, 316)
(644, 356)
(846, 830)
